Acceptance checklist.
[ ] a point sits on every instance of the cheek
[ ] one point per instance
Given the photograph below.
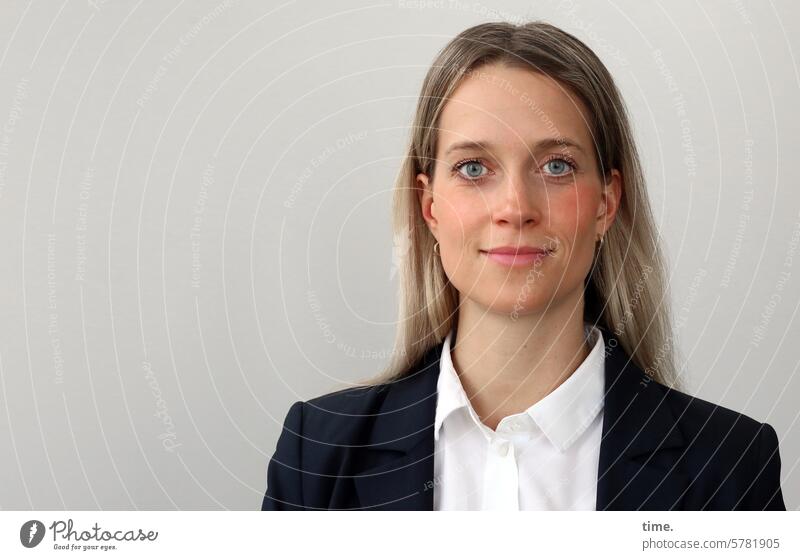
(459, 217)
(572, 212)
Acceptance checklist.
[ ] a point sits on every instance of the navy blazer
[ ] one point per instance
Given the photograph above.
(372, 448)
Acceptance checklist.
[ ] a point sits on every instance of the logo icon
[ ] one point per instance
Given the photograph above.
(31, 533)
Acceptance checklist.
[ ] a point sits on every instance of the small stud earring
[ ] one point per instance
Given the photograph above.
(436, 248)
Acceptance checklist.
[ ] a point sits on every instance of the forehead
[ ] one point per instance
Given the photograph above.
(512, 107)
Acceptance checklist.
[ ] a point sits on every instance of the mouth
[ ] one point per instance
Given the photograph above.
(517, 256)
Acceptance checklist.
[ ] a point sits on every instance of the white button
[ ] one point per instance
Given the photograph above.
(501, 447)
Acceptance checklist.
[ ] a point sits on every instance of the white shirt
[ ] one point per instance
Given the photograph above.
(545, 458)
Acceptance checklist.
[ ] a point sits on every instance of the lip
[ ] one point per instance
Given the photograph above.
(516, 256)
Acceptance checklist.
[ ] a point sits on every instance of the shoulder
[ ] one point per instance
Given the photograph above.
(340, 417)
(707, 420)
(712, 430)
(346, 404)
(704, 426)
(387, 410)
(732, 455)
(734, 459)
(719, 430)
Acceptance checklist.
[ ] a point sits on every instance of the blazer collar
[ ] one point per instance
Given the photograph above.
(639, 444)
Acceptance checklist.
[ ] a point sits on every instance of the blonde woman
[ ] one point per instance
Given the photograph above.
(533, 364)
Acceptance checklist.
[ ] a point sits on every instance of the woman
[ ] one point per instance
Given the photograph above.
(533, 367)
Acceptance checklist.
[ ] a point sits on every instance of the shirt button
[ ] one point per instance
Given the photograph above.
(502, 448)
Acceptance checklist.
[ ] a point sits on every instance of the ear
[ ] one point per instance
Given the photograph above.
(610, 201)
(425, 196)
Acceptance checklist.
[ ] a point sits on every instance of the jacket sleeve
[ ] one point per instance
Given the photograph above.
(284, 472)
(765, 492)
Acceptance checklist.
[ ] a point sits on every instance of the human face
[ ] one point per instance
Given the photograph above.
(516, 188)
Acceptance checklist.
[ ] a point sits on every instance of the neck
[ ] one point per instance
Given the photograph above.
(508, 364)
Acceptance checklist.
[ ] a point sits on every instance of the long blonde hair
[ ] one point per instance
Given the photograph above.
(626, 290)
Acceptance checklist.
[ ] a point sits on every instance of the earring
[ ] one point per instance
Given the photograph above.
(436, 248)
(600, 239)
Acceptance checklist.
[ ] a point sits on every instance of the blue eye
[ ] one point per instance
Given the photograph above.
(559, 167)
(472, 167)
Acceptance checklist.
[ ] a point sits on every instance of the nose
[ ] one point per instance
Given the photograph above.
(519, 202)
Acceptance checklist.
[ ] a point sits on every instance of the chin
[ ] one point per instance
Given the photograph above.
(515, 302)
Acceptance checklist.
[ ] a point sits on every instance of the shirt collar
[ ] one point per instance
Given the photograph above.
(451, 395)
(563, 415)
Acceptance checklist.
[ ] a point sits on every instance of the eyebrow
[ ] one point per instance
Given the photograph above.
(544, 144)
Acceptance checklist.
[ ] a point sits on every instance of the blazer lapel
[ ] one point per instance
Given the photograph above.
(399, 475)
(640, 441)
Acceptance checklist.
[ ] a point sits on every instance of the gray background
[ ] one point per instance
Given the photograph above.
(194, 211)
